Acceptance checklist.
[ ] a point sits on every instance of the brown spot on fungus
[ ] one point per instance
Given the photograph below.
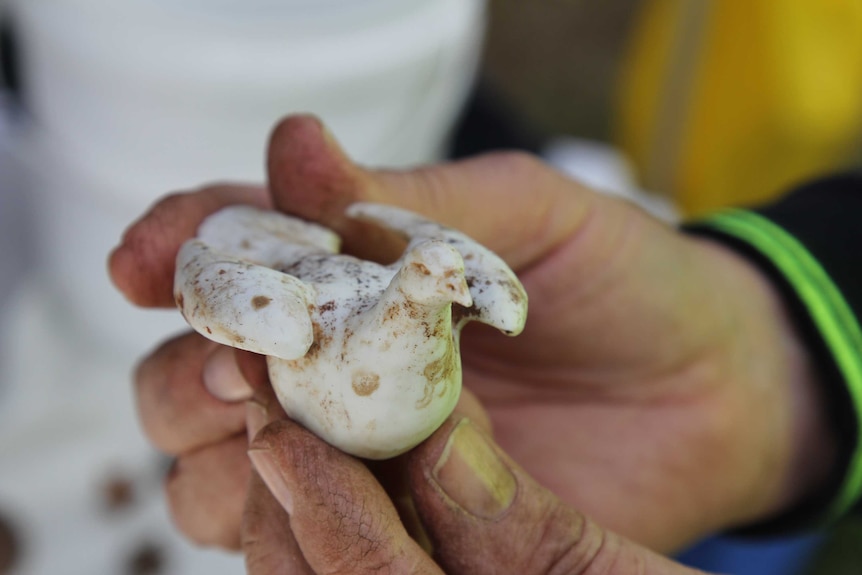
(319, 339)
(412, 310)
(461, 313)
(421, 268)
(365, 383)
(312, 352)
(391, 312)
(436, 372)
(260, 301)
(514, 293)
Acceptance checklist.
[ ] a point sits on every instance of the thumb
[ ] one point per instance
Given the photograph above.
(268, 544)
(341, 519)
(267, 540)
(484, 514)
(511, 202)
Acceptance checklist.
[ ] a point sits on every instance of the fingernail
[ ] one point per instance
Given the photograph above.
(256, 418)
(222, 376)
(267, 468)
(471, 473)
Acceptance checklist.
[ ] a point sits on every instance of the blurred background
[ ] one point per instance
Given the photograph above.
(683, 106)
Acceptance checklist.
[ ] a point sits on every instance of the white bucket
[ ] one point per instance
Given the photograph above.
(136, 98)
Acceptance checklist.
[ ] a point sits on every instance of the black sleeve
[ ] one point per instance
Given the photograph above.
(810, 245)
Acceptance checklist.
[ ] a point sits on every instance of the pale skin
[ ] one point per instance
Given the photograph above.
(658, 387)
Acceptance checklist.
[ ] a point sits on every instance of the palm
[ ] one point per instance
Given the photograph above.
(624, 389)
(634, 369)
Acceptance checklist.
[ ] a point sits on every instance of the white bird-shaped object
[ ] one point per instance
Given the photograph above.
(364, 355)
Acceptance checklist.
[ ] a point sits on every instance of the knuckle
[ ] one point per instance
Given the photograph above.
(171, 201)
(520, 165)
(579, 548)
(162, 213)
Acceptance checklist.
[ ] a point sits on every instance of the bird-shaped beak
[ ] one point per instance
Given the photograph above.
(496, 296)
(461, 292)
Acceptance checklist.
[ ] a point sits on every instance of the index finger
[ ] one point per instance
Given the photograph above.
(510, 202)
(142, 266)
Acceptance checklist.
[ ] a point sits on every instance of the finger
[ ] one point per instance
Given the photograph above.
(483, 514)
(206, 491)
(392, 473)
(255, 373)
(267, 540)
(177, 411)
(142, 266)
(268, 543)
(510, 202)
(312, 178)
(341, 517)
(263, 407)
(470, 407)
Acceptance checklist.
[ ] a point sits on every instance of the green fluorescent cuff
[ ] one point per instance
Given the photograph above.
(828, 309)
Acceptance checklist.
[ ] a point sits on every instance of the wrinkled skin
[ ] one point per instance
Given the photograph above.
(658, 388)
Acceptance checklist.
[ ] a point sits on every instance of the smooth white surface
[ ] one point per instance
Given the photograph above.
(171, 101)
(605, 169)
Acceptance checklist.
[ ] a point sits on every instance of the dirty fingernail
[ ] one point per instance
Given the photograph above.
(256, 418)
(267, 468)
(222, 376)
(472, 474)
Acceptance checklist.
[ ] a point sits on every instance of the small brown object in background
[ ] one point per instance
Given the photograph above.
(148, 559)
(118, 493)
(10, 545)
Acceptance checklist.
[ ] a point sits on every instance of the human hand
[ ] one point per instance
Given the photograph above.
(657, 386)
(482, 513)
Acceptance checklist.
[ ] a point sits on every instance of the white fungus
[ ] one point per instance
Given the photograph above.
(364, 355)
